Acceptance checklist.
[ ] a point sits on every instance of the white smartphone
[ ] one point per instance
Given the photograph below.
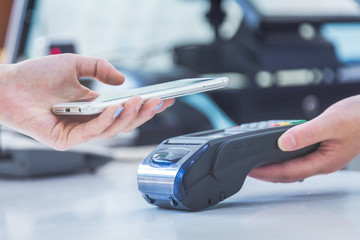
(166, 90)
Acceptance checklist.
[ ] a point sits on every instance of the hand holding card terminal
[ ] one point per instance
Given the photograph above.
(196, 171)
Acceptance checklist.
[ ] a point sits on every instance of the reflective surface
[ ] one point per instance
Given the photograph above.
(107, 205)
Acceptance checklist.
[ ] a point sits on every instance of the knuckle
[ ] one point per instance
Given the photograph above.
(101, 61)
(309, 134)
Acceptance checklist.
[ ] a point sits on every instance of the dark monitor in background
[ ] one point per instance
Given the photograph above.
(298, 58)
(339, 20)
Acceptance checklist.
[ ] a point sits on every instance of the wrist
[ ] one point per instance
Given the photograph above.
(4, 72)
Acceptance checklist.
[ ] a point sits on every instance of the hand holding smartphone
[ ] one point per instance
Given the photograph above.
(166, 90)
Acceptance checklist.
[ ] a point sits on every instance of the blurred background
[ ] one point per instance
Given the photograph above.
(285, 59)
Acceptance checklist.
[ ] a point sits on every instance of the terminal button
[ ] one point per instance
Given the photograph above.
(285, 123)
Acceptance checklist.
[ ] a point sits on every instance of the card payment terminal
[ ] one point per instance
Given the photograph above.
(196, 171)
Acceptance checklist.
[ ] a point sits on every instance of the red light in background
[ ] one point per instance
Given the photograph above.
(55, 50)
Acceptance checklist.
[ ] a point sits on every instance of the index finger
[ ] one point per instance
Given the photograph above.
(292, 170)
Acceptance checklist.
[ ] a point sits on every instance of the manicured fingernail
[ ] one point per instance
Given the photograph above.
(159, 106)
(287, 142)
(118, 111)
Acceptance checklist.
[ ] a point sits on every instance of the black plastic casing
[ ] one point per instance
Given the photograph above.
(221, 172)
(212, 175)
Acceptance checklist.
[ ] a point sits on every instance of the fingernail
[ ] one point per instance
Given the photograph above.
(118, 111)
(172, 103)
(287, 142)
(159, 106)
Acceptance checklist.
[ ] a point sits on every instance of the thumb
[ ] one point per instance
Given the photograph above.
(99, 69)
(304, 135)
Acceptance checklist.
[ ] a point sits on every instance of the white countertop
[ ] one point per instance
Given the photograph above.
(107, 205)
